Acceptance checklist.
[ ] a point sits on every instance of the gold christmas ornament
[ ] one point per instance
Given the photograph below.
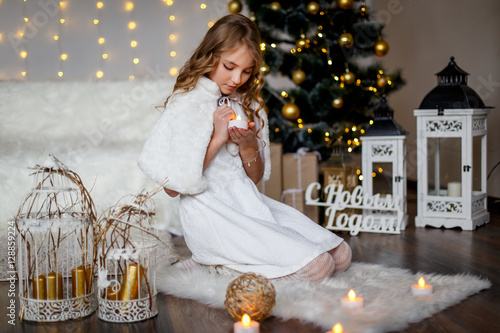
(337, 103)
(264, 69)
(275, 6)
(290, 111)
(381, 81)
(381, 48)
(313, 7)
(363, 10)
(234, 6)
(298, 76)
(345, 4)
(346, 40)
(302, 43)
(348, 77)
(252, 294)
(252, 16)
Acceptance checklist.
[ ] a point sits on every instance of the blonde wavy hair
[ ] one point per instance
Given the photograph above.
(228, 33)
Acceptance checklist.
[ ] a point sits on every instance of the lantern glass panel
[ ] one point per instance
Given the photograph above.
(444, 165)
(477, 163)
(382, 178)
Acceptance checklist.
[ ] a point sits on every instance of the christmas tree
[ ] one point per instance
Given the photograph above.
(329, 50)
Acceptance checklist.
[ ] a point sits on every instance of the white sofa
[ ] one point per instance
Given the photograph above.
(96, 128)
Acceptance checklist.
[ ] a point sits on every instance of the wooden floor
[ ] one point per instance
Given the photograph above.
(430, 250)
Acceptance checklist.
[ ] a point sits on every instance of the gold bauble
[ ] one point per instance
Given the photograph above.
(345, 4)
(381, 81)
(252, 294)
(302, 43)
(363, 10)
(337, 103)
(252, 16)
(313, 7)
(381, 48)
(290, 111)
(264, 69)
(234, 6)
(346, 40)
(348, 78)
(275, 5)
(298, 76)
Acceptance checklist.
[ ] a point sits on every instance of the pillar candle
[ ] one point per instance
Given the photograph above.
(78, 281)
(131, 283)
(454, 189)
(111, 294)
(54, 285)
(40, 287)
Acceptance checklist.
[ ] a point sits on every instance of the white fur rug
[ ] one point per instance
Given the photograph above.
(389, 305)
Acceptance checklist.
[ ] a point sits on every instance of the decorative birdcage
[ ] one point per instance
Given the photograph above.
(55, 253)
(128, 245)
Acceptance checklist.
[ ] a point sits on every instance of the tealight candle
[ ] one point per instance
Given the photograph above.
(352, 301)
(246, 325)
(421, 288)
(337, 328)
(238, 123)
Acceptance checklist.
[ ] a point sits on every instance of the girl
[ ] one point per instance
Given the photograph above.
(226, 220)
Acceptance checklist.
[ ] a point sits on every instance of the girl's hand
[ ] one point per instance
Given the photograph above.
(171, 193)
(243, 138)
(221, 119)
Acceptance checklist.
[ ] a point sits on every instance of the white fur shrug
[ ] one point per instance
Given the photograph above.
(176, 147)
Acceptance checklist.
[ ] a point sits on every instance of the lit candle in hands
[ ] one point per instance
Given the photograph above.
(246, 325)
(421, 288)
(352, 301)
(238, 123)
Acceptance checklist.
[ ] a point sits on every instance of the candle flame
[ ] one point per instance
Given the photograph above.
(245, 320)
(351, 295)
(421, 282)
(337, 328)
(238, 117)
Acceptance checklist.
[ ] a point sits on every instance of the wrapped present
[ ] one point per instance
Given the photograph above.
(272, 187)
(300, 169)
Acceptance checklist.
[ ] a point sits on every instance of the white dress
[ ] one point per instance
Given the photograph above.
(231, 223)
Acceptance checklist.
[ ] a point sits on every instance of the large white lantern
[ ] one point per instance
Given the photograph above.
(451, 154)
(384, 160)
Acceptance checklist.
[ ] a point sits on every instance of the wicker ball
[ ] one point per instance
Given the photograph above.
(252, 294)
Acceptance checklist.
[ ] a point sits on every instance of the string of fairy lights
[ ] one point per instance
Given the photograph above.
(59, 35)
(23, 45)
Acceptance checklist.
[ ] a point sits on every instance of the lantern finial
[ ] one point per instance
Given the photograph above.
(383, 123)
(452, 91)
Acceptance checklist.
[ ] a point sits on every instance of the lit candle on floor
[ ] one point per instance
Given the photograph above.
(352, 301)
(421, 288)
(337, 328)
(238, 123)
(246, 325)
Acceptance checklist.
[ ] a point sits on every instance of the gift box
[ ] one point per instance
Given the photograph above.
(272, 188)
(300, 167)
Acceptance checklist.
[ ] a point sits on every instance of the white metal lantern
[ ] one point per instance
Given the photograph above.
(55, 253)
(127, 261)
(383, 166)
(451, 154)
